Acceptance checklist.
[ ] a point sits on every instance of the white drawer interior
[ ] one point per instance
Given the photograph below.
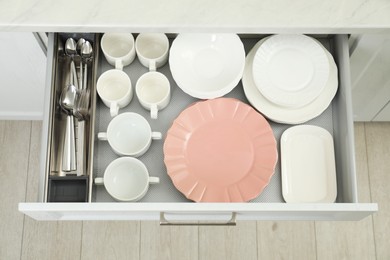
(337, 119)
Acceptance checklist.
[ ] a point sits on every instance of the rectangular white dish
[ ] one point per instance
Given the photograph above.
(337, 119)
(308, 165)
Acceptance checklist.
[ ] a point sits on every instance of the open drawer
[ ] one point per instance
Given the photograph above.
(163, 202)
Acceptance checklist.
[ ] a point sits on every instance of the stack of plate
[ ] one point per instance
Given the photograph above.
(290, 78)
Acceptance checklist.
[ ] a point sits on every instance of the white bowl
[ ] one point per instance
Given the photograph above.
(207, 66)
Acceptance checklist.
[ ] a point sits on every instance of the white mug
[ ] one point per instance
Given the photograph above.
(118, 48)
(129, 134)
(115, 90)
(126, 179)
(153, 91)
(152, 49)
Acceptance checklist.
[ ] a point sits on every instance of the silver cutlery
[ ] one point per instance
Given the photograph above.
(68, 101)
(79, 47)
(70, 50)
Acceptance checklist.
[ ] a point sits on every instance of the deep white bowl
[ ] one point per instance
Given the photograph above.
(207, 66)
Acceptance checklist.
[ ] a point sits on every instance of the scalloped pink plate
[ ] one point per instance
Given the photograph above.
(220, 150)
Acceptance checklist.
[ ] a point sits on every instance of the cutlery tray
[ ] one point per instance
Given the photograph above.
(153, 158)
(60, 185)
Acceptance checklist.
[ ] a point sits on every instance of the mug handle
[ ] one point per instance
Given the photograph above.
(114, 109)
(156, 135)
(153, 180)
(153, 111)
(118, 64)
(102, 136)
(152, 65)
(99, 181)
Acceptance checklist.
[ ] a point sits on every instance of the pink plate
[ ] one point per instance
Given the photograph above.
(220, 150)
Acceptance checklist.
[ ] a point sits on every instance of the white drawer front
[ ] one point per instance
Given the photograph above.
(195, 212)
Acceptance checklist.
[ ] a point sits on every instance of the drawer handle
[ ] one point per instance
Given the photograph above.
(231, 222)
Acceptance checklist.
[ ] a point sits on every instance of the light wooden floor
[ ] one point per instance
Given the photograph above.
(24, 238)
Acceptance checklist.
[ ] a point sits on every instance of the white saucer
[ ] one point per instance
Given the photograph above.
(285, 115)
(290, 70)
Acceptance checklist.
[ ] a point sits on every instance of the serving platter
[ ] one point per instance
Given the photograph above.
(308, 165)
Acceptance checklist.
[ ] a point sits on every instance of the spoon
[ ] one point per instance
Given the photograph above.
(68, 101)
(79, 45)
(86, 56)
(70, 50)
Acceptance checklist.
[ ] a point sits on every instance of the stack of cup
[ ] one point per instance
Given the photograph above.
(114, 86)
(153, 88)
(127, 178)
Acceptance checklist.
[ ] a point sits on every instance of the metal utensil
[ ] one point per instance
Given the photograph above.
(82, 107)
(68, 101)
(86, 56)
(82, 113)
(70, 50)
(79, 45)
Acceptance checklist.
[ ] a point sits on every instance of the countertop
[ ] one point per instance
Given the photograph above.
(173, 16)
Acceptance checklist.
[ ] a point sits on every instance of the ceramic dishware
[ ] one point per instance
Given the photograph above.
(308, 165)
(282, 114)
(152, 49)
(207, 66)
(126, 179)
(115, 90)
(290, 70)
(153, 91)
(118, 48)
(220, 150)
(129, 134)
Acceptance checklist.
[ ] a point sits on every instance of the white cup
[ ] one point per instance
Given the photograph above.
(153, 91)
(152, 49)
(129, 134)
(115, 90)
(118, 48)
(126, 179)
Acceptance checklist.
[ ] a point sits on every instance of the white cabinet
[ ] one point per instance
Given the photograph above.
(166, 202)
(370, 73)
(22, 77)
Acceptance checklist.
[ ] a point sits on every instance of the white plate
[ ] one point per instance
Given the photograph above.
(282, 114)
(207, 65)
(308, 165)
(290, 70)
